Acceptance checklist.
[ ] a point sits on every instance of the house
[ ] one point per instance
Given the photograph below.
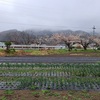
(2, 45)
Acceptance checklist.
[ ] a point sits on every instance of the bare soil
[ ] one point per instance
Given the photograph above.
(53, 95)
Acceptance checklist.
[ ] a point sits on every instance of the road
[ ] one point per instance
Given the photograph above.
(49, 59)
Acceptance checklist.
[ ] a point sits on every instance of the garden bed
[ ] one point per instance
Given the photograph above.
(48, 95)
(50, 76)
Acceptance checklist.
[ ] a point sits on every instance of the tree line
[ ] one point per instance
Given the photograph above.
(25, 38)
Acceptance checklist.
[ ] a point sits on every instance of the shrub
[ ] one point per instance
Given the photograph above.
(98, 48)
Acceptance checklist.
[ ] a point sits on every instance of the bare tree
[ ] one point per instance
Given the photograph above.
(85, 43)
(70, 40)
(26, 38)
(69, 44)
(14, 37)
(21, 37)
(97, 41)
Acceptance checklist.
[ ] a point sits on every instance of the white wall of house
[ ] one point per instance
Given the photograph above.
(37, 47)
(2, 45)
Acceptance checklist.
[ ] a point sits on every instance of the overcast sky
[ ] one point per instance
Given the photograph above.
(50, 14)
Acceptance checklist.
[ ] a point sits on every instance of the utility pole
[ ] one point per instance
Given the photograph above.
(93, 31)
(93, 34)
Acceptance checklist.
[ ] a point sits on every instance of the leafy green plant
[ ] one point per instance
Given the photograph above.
(86, 95)
(36, 94)
(56, 94)
(8, 92)
(33, 87)
(46, 91)
(3, 98)
(12, 51)
(50, 93)
(71, 92)
(8, 44)
(25, 83)
(65, 98)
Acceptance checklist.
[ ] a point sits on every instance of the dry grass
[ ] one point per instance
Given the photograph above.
(62, 52)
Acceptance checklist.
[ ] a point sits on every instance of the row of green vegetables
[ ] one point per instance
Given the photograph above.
(55, 83)
(50, 65)
(61, 83)
(72, 70)
(51, 76)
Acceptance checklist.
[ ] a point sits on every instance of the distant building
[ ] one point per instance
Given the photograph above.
(2, 44)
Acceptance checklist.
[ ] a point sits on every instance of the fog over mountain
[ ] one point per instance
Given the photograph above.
(48, 37)
(45, 32)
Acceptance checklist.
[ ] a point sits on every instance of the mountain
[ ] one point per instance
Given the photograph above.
(42, 36)
(3, 35)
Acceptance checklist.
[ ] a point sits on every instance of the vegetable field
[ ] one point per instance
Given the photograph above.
(50, 76)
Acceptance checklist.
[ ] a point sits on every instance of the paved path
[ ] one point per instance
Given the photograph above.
(48, 59)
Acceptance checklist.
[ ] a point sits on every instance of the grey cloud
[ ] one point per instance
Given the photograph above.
(72, 14)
